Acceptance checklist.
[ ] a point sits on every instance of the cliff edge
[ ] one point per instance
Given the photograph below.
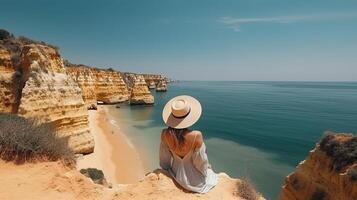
(53, 180)
(328, 173)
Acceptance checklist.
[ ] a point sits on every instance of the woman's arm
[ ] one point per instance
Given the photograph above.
(199, 157)
(164, 154)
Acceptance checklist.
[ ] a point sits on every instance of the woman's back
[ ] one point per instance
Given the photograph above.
(187, 162)
(191, 140)
(182, 152)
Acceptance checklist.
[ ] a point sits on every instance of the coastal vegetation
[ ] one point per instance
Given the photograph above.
(342, 152)
(24, 140)
(247, 190)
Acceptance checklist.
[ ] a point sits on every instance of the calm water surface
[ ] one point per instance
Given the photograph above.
(256, 130)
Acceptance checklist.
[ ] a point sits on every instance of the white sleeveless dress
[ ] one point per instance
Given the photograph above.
(192, 171)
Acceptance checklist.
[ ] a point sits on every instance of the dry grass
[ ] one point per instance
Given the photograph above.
(24, 140)
(247, 190)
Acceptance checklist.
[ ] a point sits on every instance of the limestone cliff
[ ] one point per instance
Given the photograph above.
(103, 85)
(34, 84)
(8, 90)
(328, 173)
(50, 95)
(152, 79)
(139, 91)
(110, 87)
(161, 86)
(86, 81)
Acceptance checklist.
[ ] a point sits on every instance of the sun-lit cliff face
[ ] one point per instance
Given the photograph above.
(86, 81)
(110, 86)
(52, 96)
(152, 79)
(161, 86)
(139, 90)
(328, 173)
(103, 85)
(34, 84)
(7, 76)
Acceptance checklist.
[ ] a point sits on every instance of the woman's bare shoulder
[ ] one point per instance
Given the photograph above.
(198, 140)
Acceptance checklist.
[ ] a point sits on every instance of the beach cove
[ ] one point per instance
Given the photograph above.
(267, 127)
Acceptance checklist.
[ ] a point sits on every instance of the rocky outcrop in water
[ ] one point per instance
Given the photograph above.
(152, 79)
(161, 86)
(35, 85)
(328, 173)
(102, 85)
(138, 88)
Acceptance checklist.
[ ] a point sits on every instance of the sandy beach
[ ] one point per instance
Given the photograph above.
(113, 152)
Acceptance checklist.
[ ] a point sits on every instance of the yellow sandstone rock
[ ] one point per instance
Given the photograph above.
(46, 93)
(8, 89)
(317, 178)
(139, 91)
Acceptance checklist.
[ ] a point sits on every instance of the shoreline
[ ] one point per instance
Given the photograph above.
(114, 154)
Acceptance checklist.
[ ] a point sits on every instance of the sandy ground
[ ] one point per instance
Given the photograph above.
(113, 152)
(45, 180)
(52, 180)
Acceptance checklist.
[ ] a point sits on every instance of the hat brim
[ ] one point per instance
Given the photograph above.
(187, 121)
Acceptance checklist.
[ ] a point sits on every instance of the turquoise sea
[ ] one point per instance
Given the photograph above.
(256, 130)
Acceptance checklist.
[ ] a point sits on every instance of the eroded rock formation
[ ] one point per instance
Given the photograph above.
(52, 96)
(139, 91)
(152, 79)
(86, 81)
(34, 84)
(328, 173)
(161, 86)
(8, 90)
(110, 87)
(103, 85)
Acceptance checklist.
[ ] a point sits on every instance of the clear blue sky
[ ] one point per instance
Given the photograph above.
(312, 40)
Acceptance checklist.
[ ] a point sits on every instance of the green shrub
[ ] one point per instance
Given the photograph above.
(4, 34)
(343, 153)
(96, 175)
(27, 140)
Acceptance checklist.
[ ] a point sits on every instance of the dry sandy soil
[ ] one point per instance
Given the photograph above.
(52, 180)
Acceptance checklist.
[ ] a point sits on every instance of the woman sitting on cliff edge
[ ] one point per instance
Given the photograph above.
(182, 151)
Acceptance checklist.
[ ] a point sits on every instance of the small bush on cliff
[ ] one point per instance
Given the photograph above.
(342, 152)
(96, 175)
(24, 40)
(26, 140)
(4, 34)
(247, 190)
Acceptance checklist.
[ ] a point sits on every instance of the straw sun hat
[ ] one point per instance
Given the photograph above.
(181, 112)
